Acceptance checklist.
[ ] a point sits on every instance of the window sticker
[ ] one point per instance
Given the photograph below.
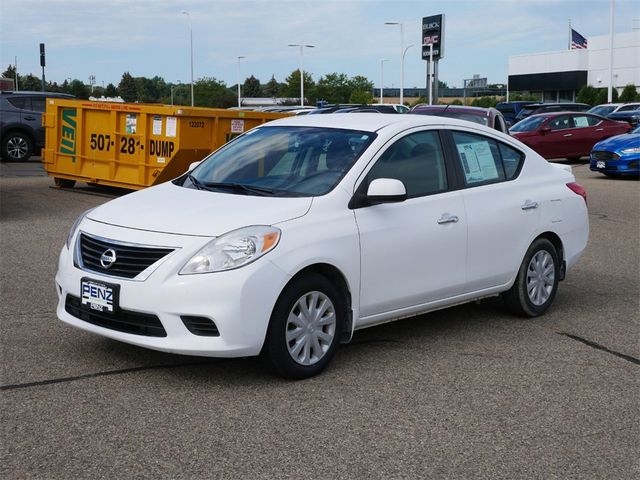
(477, 161)
(580, 122)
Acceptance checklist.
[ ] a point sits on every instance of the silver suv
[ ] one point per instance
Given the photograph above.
(21, 130)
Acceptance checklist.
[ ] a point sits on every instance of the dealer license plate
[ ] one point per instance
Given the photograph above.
(601, 164)
(99, 296)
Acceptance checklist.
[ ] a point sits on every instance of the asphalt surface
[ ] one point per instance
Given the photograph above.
(469, 392)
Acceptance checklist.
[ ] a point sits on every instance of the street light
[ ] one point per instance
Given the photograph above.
(191, 49)
(382, 79)
(402, 51)
(239, 101)
(301, 69)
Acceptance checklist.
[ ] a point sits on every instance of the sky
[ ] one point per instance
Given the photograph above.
(151, 37)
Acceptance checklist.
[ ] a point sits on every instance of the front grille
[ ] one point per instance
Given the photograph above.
(130, 260)
(200, 326)
(604, 156)
(126, 321)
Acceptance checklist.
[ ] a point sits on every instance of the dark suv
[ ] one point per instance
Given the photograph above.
(535, 108)
(21, 130)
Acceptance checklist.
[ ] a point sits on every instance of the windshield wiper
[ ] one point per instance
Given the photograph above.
(196, 183)
(239, 187)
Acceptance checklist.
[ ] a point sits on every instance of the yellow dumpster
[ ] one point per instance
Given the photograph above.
(134, 145)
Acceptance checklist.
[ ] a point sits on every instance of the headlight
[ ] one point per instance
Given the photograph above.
(627, 151)
(74, 227)
(233, 250)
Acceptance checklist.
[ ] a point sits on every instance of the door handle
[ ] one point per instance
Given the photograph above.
(599, 129)
(446, 218)
(567, 134)
(29, 117)
(529, 205)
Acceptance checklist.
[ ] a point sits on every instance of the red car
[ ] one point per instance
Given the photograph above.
(568, 135)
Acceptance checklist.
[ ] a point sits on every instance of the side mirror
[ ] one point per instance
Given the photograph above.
(193, 165)
(386, 190)
(544, 130)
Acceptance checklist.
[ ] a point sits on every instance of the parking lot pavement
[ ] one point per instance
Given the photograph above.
(468, 392)
(31, 168)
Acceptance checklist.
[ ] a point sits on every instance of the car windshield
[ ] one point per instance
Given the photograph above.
(505, 108)
(281, 162)
(529, 124)
(637, 130)
(603, 110)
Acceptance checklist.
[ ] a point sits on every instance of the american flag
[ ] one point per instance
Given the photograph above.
(577, 40)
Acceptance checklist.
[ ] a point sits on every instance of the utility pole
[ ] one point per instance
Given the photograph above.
(42, 63)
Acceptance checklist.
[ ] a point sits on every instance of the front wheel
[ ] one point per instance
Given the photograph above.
(537, 281)
(304, 327)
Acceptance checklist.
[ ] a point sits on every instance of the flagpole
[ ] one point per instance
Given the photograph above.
(569, 44)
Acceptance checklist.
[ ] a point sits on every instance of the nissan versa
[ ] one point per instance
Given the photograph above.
(295, 234)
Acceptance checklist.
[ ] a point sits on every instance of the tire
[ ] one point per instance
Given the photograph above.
(17, 147)
(574, 159)
(537, 282)
(303, 347)
(64, 182)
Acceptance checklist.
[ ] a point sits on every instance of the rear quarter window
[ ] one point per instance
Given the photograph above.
(20, 103)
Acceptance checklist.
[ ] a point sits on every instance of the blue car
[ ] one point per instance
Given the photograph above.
(619, 155)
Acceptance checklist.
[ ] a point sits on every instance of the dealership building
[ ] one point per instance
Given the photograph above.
(558, 76)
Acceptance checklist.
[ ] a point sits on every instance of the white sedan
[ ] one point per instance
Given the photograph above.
(295, 234)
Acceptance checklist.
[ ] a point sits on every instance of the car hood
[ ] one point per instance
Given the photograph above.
(170, 208)
(619, 142)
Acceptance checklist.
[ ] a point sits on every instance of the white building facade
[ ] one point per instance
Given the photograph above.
(558, 76)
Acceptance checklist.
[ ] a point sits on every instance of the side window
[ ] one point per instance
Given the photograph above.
(20, 103)
(593, 121)
(511, 160)
(417, 160)
(627, 108)
(479, 158)
(560, 123)
(580, 121)
(38, 104)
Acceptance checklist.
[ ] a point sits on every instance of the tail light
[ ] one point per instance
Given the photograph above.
(578, 190)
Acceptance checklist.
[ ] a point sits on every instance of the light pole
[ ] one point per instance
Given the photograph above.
(401, 58)
(191, 50)
(239, 98)
(302, 46)
(382, 79)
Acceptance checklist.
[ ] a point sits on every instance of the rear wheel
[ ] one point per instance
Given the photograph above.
(537, 281)
(17, 147)
(304, 327)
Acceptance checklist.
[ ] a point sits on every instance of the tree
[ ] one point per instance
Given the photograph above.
(602, 96)
(292, 85)
(360, 96)
(79, 89)
(251, 87)
(334, 88)
(272, 88)
(587, 94)
(10, 72)
(361, 89)
(127, 88)
(30, 83)
(210, 92)
(111, 91)
(629, 94)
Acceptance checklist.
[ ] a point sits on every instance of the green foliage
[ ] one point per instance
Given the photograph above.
(630, 94)
(334, 88)
(30, 83)
(10, 72)
(291, 87)
(602, 96)
(272, 88)
(361, 96)
(79, 89)
(456, 102)
(127, 88)
(210, 92)
(595, 96)
(523, 98)
(111, 91)
(251, 87)
(484, 102)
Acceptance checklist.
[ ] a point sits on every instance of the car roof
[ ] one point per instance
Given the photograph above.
(453, 108)
(372, 122)
(560, 104)
(565, 112)
(36, 94)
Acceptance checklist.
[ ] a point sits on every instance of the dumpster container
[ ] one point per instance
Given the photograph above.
(134, 145)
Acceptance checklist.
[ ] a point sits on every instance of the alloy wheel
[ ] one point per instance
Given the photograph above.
(541, 274)
(17, 148)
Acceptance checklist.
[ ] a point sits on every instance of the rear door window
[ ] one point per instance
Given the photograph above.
(20, 103)
(38, 104)
(560, 123)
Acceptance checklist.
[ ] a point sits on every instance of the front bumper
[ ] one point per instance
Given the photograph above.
(625, 165)
(239, 301)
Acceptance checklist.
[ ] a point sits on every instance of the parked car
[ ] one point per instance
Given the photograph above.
(535, 108)
(21, 130)
(569, 135)
(300, 231)
(619, 155)
(608, 108)
(377, 108)
(632, 117)
(509, 110)
(489, 117)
